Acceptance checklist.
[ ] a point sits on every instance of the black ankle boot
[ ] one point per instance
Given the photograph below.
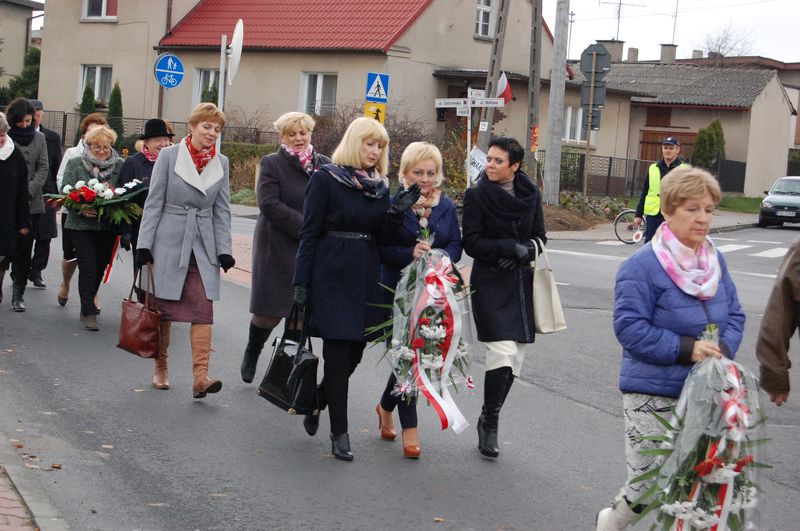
(311, 424)
(496, 387)
(17, 304)
(340, 447)
(255, 343)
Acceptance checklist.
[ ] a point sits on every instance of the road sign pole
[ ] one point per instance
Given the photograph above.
(589, 129)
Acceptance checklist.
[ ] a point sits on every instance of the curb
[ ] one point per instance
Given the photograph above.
(44, 514)
(732, 228)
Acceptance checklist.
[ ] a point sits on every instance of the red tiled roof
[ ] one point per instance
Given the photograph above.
(298, 24)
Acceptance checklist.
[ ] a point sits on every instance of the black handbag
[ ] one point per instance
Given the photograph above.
(291, 379)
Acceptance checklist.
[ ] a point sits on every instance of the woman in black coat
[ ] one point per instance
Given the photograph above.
(15, 221)
(421, 163)
(281, 187)
(346, 214)
(502, 217)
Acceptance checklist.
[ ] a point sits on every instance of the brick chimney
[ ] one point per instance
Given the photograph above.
(614, 48)
(697, 54)
(668, 53)
(633, 55)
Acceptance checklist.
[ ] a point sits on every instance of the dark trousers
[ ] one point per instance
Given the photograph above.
(406, 407)
(41, 255)
(21, 261)
(93, 248)
(341, 359)
(66, 240)
(652, 223)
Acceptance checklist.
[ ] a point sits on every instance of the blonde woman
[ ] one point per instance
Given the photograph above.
(347, 213)
(281, 186)
(185, 237)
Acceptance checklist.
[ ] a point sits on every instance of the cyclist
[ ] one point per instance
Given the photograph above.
(650, 201)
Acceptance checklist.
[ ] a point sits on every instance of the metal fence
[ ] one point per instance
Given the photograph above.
(67, 124)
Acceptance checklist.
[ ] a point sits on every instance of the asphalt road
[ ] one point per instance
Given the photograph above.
(135, 458)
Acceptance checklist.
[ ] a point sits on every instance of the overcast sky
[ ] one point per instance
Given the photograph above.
(772, 25)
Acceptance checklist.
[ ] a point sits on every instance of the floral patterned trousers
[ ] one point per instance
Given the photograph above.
(639, 421)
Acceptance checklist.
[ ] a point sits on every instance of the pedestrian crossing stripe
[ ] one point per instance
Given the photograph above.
(731, 247)
(777, 252)
(377, 87)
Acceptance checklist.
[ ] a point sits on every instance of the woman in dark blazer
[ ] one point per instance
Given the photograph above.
(15, 221)
(345, 215)
(435, 213)
(502, 216)
(156, 136)
(281, 187)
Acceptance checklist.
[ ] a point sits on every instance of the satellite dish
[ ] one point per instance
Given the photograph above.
(235, 50)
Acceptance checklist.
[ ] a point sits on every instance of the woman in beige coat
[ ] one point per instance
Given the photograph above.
(185, 238)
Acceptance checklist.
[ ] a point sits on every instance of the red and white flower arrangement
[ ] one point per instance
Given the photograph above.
(110, 202)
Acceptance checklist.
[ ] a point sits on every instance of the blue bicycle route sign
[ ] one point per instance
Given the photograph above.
(168, 70)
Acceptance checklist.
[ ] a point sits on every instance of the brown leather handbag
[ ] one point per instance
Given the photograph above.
(139, 330)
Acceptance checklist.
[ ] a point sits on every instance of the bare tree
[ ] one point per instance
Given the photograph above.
(729, 41)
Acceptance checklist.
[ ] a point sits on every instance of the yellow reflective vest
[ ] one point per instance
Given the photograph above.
(652, 201)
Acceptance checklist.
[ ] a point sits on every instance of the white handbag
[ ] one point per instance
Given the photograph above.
(548, 316)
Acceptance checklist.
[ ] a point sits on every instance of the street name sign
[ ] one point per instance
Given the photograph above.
(450, 103)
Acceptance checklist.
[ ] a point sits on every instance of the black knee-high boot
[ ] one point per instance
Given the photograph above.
(255, 343)
(497, 384)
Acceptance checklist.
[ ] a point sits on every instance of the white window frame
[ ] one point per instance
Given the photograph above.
(483, 7)
(96, 82)
(198, 83)
(303, 100)
(85, 12)
(568, 114)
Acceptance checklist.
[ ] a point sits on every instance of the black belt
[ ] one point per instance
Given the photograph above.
(349, 235)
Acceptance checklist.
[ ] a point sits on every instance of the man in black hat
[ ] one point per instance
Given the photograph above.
(649, 207)
(47, 228)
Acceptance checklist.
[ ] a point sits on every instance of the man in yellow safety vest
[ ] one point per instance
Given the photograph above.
(649, 206)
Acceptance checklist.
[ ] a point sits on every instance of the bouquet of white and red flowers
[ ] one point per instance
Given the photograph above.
(111, 203)
(428, 354)
(710, 450)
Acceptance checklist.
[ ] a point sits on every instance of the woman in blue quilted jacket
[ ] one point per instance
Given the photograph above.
(665, 295)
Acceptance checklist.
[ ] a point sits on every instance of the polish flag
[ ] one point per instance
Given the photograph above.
(503, 88)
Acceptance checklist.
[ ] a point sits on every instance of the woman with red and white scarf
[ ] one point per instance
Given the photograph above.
(281, 186)
(185, 238)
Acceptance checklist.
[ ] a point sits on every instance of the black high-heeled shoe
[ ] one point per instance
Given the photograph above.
(340, 447)
(311, 423)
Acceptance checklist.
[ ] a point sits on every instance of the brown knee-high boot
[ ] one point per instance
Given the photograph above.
(161, 375)
(200, 335)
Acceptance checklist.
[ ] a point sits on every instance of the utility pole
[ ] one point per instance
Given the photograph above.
(569, 38)
(534, 87)
(555, 119)
(493, 73)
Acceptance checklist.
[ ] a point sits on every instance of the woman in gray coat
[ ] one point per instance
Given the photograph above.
(33, 147)
(185, 237)
(281, 185)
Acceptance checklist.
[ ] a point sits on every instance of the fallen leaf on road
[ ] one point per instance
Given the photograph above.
(19, 430)
(19, 445)
(138, 390)
(9, 350)
(107, 446)
(30, 457)
(49, 413)
(3, 372)
(56, 466)
(217, 494)
(32, 467)
(438, 520)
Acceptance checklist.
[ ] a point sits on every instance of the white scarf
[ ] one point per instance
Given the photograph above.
(7, 149)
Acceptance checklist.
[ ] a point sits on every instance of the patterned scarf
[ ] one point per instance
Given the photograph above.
(7, 149)
(149, 155)
(696, 273)
(100, 169)
(200, 157)
(424, 205)
(372, 183)
(306, 156)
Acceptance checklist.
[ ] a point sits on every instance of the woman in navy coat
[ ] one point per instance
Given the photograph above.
(665, 295)
(421, 163)
(346, 214)
(502, 217)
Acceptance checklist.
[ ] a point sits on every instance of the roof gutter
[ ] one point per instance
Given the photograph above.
(689, 106)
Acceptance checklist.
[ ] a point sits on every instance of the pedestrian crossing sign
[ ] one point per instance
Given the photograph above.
(375, 110)
(377, 87)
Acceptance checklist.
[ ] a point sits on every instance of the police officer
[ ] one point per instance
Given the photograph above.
(650, 202)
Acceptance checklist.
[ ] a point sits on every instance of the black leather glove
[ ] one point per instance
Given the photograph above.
(405, 199)
(143, 257)
(300, 296)
(125, 241)
(506, 264)
(226, 262)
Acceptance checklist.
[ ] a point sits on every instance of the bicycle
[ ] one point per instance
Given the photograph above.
(624, 228)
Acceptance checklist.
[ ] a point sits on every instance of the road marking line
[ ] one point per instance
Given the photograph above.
(762, 241)
(562, 284)
(759, 275)
(592, 255)
(772, 253)
(611, 242)
(724, 239)
(732, 247)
